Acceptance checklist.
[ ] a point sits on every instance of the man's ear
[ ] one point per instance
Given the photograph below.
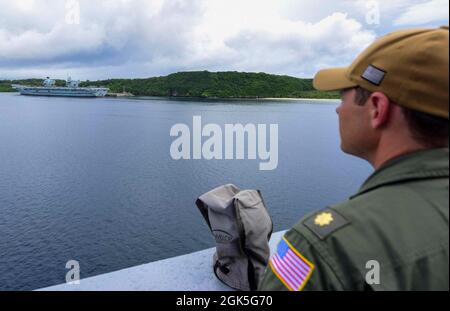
(380, 109)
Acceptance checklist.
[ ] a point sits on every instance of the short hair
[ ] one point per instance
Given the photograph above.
(428, 130)
(361, 95)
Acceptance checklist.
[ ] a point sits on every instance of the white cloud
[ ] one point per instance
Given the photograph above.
(298, 48)
(46, 46)
(424, 13)
(256, 35)
(141, 38)
(109, 31)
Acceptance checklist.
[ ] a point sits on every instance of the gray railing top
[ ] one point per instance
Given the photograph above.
(190, 272)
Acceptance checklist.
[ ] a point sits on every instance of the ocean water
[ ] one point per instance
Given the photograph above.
(93, 180)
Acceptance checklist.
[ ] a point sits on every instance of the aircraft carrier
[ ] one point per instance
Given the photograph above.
(72, 89)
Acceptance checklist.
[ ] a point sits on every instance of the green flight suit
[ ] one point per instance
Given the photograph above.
(399, 219)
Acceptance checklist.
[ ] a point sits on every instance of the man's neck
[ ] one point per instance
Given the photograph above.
(389, 151)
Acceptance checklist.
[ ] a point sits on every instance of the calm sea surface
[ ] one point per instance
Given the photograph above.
(93, 180)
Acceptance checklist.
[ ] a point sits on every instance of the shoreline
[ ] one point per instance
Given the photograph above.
(180, 98)
(301, 99)
(211, 98)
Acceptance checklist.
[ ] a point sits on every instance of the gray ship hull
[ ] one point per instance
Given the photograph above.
(62, 91)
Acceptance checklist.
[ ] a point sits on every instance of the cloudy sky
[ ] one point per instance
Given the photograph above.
(98, 39)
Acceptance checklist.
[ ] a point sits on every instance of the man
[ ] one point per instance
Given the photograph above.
(393, 234)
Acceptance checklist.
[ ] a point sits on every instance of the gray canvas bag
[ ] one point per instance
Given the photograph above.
(242, 227)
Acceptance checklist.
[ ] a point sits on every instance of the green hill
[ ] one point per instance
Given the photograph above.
(209, 85)
(216, 84)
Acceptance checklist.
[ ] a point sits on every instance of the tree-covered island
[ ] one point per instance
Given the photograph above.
(203, 84)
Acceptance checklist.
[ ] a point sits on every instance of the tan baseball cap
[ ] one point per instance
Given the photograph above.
(410, 66)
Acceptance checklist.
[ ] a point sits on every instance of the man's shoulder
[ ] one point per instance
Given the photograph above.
(393, 225)
(324, 239)
(341, 219)
(380, 210)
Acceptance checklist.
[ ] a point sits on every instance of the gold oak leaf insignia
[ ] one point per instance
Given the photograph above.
(324, 219)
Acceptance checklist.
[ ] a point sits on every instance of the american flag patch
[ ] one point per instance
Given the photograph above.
(291, 267)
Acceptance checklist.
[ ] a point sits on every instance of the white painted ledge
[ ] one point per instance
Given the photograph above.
(191, 272)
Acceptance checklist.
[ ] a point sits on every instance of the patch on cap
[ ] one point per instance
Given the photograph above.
(374, 75)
